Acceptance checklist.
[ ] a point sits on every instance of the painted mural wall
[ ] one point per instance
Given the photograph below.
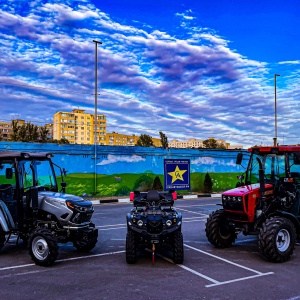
(118, 170)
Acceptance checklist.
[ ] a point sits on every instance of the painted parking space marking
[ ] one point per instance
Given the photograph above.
(64, 259)
(213, 281)
(190, 211)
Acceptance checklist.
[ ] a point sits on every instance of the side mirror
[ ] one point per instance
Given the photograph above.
(297, 158)
(8, 173)
(239, 158)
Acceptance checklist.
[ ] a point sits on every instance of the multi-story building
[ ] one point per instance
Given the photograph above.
(117, 139)
(194, 143)
(49, 126)
(78, 127)
(5, 130)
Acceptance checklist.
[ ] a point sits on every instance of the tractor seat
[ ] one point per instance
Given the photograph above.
(153, 197)
(6, 192)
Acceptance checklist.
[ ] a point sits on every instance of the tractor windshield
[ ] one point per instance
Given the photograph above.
(273, 164)
(37, 173)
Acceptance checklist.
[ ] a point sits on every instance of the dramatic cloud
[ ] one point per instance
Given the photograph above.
(188, 83)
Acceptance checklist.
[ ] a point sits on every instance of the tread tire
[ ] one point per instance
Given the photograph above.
(178, 251)
(131, 247)
(43, 247)
(215, 229)
(270, 236)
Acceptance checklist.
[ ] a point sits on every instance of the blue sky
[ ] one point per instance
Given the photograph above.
(192, 69)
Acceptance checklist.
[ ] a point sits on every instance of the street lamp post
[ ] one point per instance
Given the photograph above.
(96, 106)
(275, 139)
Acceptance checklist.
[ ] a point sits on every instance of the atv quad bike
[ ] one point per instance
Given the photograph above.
(152, 223)
(266, 204)
(32, 208)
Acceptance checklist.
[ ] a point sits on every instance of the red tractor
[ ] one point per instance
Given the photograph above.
(265, 202)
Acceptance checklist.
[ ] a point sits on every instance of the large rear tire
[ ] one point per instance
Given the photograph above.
(178, 252)
(277, 239)
(2, 238)
(43, 247)
(131, 247)
(217, 230)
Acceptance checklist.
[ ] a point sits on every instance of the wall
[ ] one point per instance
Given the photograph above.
(121, 169)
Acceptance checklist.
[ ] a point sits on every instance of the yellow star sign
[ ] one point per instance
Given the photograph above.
(177, 174)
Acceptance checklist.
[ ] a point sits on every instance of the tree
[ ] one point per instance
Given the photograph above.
(143, 183)
(144, 140)
(14, 136)
(43, 134)
(210, 143)
(157, 184)
(163, 140)
(207, 186)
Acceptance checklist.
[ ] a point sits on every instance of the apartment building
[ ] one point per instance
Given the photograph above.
(5, 130)
(78, 127)
(195, 143)
(117, 139)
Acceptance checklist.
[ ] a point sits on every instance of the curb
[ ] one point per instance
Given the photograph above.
(127, 200)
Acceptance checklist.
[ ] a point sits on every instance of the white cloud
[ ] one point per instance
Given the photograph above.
(111, 159)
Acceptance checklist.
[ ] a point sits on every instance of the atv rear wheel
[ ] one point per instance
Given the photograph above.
(43, 247)
(131, 247)
(178, 252)
(277, 239)
(217, 230)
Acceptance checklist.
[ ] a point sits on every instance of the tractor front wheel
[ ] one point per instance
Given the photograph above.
(277, 239)
(217, 230)
(43, 247)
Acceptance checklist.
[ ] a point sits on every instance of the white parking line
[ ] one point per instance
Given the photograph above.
(216, 282)
(65, 259)
(111, 225)
(190, 211)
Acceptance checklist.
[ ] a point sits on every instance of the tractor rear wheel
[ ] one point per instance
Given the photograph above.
(277, 239)
(217, 230)
(131, 247)
(178, 254)
(2, 238)
(43, 247)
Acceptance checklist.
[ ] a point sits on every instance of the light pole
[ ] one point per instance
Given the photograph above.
(96, 105)
(275, 139)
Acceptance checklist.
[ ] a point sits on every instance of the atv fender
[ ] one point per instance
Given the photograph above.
(6, 220)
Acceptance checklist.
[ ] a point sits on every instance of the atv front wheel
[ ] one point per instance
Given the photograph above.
(217, 230)
(277, 239)
(131, 247)
(43, 247)
(178, 253)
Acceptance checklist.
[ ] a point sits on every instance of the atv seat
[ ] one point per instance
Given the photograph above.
(153, 197)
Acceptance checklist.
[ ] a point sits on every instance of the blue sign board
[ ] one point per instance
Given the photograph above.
(176, 174)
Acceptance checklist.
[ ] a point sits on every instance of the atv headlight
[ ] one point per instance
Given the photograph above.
(140, 223)
(169, 223)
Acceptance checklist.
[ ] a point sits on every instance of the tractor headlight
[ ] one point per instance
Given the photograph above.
(140, 223)
(169, 223)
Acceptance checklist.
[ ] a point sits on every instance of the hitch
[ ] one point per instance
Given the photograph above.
(153, 253)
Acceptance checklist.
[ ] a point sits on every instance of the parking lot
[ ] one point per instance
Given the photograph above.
(238, 272)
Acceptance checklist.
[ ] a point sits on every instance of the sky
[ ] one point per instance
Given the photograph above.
(191, 69)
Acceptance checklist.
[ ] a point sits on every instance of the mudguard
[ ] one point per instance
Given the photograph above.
(6, 220)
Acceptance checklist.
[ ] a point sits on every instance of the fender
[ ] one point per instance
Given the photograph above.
(291, 217)
(6, 220)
